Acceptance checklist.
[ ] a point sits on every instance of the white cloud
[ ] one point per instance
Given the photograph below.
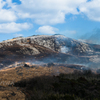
(2, 3)
(53, 11)
(47, 30)
(14, 27)
(47, 11)
(7, 16)
(70, 32)
(91, 9)
(17, 35)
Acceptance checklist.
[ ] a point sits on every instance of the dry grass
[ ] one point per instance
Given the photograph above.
(12, 75)
(18, 73)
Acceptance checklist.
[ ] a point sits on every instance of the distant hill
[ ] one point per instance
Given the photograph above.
(92, 37)
(55, 48)
(55, 43)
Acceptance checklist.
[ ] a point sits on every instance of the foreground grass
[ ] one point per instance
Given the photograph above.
(21, 74)
(40, 83)
(76, 86)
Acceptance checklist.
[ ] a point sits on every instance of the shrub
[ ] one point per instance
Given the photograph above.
(98, 71)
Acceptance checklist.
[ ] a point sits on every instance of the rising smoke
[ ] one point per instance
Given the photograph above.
(64, 49)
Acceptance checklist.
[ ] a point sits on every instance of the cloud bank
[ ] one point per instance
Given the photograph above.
(13, 27)
(47, 30)
(44, 12)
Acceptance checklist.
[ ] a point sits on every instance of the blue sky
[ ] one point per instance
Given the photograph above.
(72, 18)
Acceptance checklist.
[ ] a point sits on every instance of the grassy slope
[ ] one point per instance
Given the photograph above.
(40, 83)
(10, 77)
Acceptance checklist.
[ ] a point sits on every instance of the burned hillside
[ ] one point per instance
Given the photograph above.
(48, 49)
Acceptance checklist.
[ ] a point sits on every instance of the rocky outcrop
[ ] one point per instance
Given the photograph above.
(28, 49)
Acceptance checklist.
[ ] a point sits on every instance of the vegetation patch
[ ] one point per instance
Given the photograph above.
(82, 86)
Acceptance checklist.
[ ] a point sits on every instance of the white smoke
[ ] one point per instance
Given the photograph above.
(64, 49)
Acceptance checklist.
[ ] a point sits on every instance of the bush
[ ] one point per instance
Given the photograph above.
(60, 97)
(98, 71)
(87, 72)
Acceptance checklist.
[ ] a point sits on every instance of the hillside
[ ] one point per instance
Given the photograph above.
(44, 83)
(49, 68)
(54, 42)
(55, 48)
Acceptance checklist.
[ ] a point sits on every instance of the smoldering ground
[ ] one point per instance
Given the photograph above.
(61, 59)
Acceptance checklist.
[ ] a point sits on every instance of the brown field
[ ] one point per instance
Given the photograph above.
(12, 75)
